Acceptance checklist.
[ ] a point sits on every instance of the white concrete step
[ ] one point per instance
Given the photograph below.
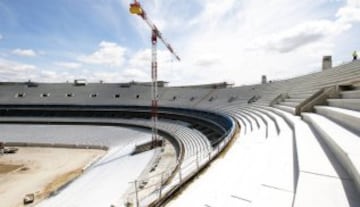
(253, 117)
(353, 104)
(314, 191)
(300, 95)
(351, 94)
(278, 186)
(245, 123)
(320, 174)
(282, 164)
(242, 124)
(273, 127)
(344, 144)
(261, 120)
(298, 100)
(286, 108)
(271, 196)
(311, 154)
(251, 123)
(302, 90)
(306, 91)
(291, 104)
(346, 117)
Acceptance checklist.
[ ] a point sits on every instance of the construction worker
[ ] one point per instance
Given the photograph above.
(354, 55)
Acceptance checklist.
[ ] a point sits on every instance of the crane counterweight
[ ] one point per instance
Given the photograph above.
(135, 8)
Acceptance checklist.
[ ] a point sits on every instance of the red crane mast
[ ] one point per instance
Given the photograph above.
(135, 8)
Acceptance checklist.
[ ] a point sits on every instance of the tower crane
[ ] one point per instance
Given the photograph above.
(135, 8)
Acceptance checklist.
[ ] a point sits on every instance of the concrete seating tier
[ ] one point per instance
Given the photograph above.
(264, 126)
(290, 103)
(353, 104)
(346, 117)
(286, 108)
(320, 175)
(343, 143)
(120, 94)
(313, 173)
(295, 100)
(351, 94)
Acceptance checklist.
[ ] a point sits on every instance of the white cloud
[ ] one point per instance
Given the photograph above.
(241, 40)
(69, 65)
(213, 14)
(15, 66)
(349, 13)
(139, 65)
(14, 71)
(301, 35)
(24, 52)
(207, 60)
(109, 54)
(141, 58)
(221, 40)
(353, 3)
(312, 31)
(1, 37)
(135, 74)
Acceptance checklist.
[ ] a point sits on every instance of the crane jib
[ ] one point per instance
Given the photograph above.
(135, 8)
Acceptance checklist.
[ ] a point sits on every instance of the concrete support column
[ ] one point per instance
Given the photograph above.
(326, 62)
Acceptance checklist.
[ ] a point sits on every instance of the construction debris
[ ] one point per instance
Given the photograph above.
(10, 150)
(147, 146)
(29, 198)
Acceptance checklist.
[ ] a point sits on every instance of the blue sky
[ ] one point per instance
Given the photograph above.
(233, 40)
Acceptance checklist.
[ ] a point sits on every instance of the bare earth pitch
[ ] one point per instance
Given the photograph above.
(40, 171)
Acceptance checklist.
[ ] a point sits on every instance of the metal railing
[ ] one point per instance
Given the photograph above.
(153, 190)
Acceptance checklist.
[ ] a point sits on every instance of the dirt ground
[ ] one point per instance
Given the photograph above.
(40, 171)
